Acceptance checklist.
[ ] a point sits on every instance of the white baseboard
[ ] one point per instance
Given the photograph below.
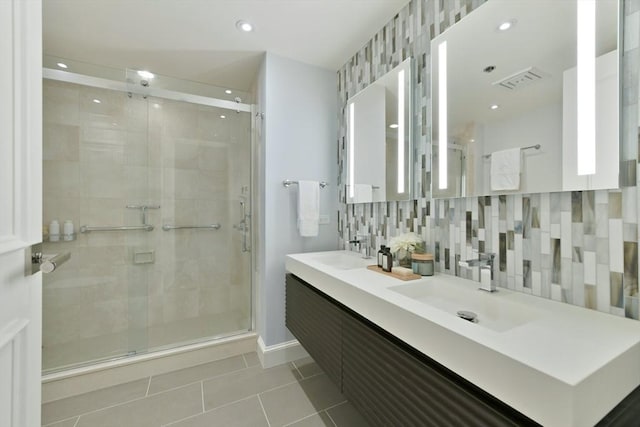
(278, 354)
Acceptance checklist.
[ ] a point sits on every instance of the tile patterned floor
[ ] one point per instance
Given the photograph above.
(233, 392)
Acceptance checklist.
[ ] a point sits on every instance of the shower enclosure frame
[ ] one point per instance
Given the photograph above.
(204, 342)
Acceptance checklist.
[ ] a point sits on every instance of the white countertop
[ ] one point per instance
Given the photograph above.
(558, 364)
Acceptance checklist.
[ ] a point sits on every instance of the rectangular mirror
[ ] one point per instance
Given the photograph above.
(525, 99)
(379, 139)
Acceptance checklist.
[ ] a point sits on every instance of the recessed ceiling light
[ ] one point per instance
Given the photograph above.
(472, 140)
(146, 74)
(228, 92)
(393, 126)
(244, 26)
(507, 25)
(62, 65)
(494, 106)
(223, 117)
(97, 101)
(156, 106)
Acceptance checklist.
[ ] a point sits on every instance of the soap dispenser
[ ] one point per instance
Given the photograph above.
(387, 260)
(380, 256)
(54, 230)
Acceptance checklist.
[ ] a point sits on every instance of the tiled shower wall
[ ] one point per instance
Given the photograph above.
(576, 247)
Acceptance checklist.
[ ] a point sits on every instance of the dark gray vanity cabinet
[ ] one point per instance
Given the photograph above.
(317, 324)
(389, 382)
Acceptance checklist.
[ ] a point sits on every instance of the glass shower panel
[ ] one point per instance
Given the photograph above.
(95, 165)
(123, 157)
(201, 287)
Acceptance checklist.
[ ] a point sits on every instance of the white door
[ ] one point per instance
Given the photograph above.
(20, 210)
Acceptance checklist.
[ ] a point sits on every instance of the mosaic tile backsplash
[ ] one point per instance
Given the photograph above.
(577, 247)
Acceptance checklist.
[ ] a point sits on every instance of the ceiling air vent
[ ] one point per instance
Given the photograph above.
(522, 78)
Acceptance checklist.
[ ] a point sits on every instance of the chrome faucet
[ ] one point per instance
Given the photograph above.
(485, 263)
(359, 241)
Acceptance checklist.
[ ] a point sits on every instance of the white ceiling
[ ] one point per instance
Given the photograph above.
(197, 39)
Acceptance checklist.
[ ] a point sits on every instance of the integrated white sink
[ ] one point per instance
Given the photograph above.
(494, 310)
(558, 364)
(344, 260)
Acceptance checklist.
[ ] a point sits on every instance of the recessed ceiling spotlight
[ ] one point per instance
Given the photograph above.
(393, 126)
(146, 74)
(494, 106)
(506, 25)
(62, 65)
(244, 26)
(96, 101)
(228, 92)
(223, 116)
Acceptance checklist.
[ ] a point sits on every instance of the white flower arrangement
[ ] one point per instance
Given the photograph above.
(408, 241)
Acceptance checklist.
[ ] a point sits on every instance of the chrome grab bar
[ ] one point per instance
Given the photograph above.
(168, 227)
(88, 228)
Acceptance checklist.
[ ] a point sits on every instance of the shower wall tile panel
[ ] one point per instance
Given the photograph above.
(577, 247)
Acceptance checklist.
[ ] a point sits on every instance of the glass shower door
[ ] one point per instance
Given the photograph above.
(201, 288)
(95, 171)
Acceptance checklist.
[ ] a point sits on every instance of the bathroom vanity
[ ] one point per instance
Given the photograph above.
(400, 354)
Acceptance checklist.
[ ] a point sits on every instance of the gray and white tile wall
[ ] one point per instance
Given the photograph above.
(576, 247)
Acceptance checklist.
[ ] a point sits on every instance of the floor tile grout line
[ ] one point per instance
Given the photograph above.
(121, 403)
(318, 413)
(213, 409)
(59, 421)
(77, 421)
(197, 381)
(271, 389)
(246, 364)
(264, 411)
(336, 405)
(330, 417)
(148, 386)
(300, 419)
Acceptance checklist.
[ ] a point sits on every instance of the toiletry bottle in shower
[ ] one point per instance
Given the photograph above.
(54, 231)
(67, 230)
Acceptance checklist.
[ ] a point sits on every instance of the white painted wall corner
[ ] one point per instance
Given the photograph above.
(279, 354)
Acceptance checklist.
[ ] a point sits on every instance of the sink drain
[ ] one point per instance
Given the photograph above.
(467, 315)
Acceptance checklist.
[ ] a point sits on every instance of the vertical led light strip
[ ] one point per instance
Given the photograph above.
(442, 116)
(352, 122)
(586, 87)
(401, 131)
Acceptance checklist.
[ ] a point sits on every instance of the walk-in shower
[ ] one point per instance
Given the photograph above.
(155, 175)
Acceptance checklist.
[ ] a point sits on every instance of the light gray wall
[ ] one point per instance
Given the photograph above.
(297, 143)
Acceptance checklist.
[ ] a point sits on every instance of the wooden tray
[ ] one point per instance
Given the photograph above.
(397, 276)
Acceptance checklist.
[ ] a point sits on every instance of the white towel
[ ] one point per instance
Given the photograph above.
(505, 170)
(308, 208)
(363, 193)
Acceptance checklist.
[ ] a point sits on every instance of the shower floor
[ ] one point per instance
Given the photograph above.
(140, 341)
